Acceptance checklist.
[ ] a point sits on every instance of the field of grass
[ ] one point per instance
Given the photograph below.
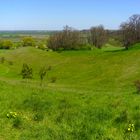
(93, 97)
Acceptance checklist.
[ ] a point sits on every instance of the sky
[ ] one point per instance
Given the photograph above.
(55, 14)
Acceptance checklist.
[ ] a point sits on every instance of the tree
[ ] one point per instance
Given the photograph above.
(130, 31)
(98, 36)
(54, 42)
(28, 41)
(6, 44)
(67, 39)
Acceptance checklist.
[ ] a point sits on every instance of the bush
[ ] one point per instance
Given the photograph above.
(28, 41)
(17, 45)
(42, 46)
(26, 72)
(6, 44)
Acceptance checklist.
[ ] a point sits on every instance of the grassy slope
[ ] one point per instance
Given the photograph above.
(93, 98)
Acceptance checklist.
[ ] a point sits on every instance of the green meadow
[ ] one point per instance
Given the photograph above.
(86, 95)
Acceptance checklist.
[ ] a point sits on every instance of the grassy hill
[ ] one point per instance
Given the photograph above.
(93, 97)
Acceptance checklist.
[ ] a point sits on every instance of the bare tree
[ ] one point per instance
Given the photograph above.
(127, 35)
(54, 41)
(67, 39)
(131, 31)
(98, 36)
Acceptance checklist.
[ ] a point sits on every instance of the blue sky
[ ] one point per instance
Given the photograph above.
(54, 14)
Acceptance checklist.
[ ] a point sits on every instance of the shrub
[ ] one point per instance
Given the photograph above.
(28, 41)
(6, 44)
(42, 46)
(26, 72)
(17, 45)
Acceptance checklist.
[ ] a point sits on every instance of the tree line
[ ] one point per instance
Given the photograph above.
(72, 39)
(98, 36)
(26, 41)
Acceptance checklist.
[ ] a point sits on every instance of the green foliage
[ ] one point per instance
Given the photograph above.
(42, 46)
(17, 45)
(28, 41)
(6, 44)
(26, 72)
